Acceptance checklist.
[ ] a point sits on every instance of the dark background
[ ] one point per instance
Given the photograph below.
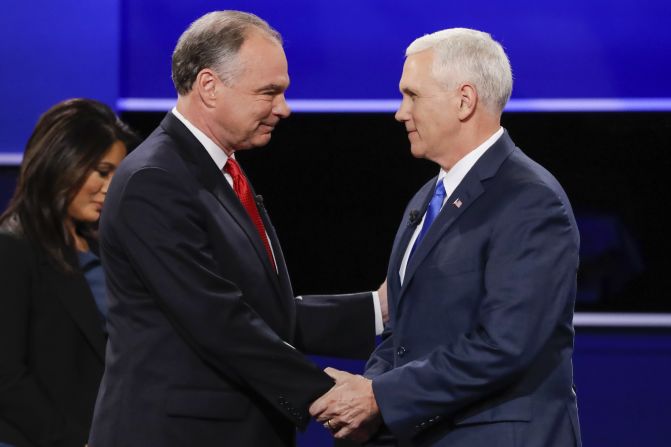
(336, 186)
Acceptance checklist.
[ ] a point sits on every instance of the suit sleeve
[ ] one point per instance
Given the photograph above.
(382, 358)
(23, 402)
(164, 235)
(529, 278)
(336, 325)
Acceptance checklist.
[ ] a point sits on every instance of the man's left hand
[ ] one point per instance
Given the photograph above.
(349, 409)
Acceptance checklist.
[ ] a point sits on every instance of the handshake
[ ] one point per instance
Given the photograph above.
(348, 410)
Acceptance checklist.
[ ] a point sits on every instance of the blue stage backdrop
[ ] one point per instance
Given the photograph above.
(353, 49)
(612, 54)
(50, 51)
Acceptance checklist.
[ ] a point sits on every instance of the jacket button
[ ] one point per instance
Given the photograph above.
(401, 351)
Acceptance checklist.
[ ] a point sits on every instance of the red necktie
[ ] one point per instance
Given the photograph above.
(244, 193)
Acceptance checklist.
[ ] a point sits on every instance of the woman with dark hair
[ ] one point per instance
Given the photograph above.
(52, 303)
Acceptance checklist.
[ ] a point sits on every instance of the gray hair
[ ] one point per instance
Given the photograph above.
(467, 55)
(213, 41)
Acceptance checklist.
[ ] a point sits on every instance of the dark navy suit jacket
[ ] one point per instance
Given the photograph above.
(478, 349)
(200, 324)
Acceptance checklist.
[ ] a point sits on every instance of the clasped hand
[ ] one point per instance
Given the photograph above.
(348, 410)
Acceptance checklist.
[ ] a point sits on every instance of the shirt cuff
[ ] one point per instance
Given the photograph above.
(379, 324)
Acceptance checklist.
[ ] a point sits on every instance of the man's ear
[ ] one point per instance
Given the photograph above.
(207, 86)
(468, 96)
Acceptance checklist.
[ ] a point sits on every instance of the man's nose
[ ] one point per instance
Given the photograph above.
(402, 114)
(281, 108)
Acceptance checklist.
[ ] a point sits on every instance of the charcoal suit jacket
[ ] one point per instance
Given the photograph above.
(206, 339)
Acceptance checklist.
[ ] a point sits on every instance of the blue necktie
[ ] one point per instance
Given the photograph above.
(432, 211)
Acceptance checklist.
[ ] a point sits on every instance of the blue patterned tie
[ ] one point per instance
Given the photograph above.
(432, 211)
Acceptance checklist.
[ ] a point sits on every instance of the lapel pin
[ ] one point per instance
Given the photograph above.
(458, 203)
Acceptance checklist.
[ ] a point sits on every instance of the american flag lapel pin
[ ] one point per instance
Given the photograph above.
(457, 203)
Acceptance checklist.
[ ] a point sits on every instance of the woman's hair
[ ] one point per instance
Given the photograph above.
(66, 145)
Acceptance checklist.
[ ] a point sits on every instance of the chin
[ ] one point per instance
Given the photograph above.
(93, 217)
(261, 140)
(417, 152)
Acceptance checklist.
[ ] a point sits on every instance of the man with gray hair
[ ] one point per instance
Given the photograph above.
(481, 279)
(204, 330)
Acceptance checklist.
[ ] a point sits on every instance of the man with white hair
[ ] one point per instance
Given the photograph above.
(481, 279)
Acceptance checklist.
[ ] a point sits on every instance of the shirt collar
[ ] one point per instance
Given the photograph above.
(454, 176)
(217, 153)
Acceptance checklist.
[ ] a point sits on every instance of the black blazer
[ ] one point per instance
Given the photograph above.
(204, 335)
(51, 350)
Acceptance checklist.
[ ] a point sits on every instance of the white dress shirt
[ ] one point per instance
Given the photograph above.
(451, 179)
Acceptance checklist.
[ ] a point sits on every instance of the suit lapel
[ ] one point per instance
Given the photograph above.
(282, 270)
(466, 193)
(214, 181)
(75, 294)
(413, 215)
(226, 196)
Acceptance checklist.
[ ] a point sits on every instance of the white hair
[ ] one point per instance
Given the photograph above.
(467, 55)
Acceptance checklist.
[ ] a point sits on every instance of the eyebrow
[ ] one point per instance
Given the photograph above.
(271, 87)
